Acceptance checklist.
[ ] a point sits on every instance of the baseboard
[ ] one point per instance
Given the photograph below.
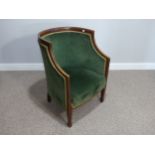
(21, 66)
(40, 67)
(132, 66)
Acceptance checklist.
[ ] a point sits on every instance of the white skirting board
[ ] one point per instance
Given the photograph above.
(40, 66)
(132, 66)
(21, 66)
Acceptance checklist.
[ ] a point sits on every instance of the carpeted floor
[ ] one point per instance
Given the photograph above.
(129, 106)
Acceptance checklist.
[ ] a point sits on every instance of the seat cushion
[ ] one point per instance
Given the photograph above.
(85, 84)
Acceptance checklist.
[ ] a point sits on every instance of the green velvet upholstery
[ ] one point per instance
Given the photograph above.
(76, 55)
(85, 84)
(55, 82)
(73, 49)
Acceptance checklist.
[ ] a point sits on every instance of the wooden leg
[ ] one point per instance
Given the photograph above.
(69, 115)
(102, 95)
(48, 98)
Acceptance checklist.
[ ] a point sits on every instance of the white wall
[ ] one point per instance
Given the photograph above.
(122, 40)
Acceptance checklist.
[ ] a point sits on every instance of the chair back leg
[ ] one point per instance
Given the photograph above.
(102, 95)
(69, 115)
(49, 98)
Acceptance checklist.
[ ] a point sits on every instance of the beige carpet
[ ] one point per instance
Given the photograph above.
(129, 106)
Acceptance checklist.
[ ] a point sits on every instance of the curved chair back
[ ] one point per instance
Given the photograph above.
(72, 47)
(75, 68)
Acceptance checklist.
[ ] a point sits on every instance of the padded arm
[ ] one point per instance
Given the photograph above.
(100, 61)
(56, 77)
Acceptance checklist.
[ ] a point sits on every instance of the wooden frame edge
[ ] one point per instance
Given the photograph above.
(63, 29)
(65, 76)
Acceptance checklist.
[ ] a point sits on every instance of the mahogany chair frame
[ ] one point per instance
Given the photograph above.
(67, 78)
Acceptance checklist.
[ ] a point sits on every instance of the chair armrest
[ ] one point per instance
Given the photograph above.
(58, 81)
(100, 54)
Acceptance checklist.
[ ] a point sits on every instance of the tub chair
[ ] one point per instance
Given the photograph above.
(76, 70)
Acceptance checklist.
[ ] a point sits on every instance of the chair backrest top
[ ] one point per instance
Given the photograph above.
(44, 33)
(72, 49)
(71, 46)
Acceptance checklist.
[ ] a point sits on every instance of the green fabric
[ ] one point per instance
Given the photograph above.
(76, 55)
(75, 50)
(84, 84)
(55, 83)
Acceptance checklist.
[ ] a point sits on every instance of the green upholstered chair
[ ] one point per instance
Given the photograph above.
(75, 68)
